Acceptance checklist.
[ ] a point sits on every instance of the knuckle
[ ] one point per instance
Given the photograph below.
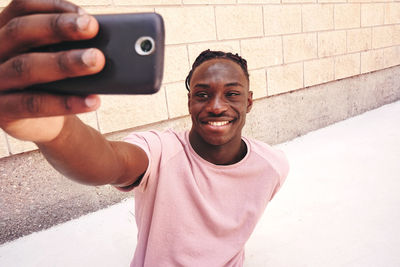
(12, 28)
(64, 63)
(20, 66)
(32, 103)
(55, 24)
(63, 25)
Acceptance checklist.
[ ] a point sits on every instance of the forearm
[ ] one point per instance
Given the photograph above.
(84, 155)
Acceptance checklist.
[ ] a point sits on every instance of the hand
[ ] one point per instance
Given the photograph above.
(26, 24)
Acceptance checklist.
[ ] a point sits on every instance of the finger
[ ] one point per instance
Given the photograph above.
(34, 68)
(24, 33)
(15, 106)
(25, 7)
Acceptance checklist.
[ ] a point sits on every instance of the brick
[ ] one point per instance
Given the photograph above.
(89, 119)
(372, 14)
(366, 1)
(331, 1)
(396, 34)
(372, 60)
(226, 46)
(392, 13)
(262, 52)
(3, 145)
(259, 1)
(383, 36)
(282, 19)
(177, 97)
(299, 47)
(317, 17)
(147, 2)
(176, 64)
(123, 112)
(284, 78)
(298, 1)
(18, 146)
(319, 71)
(391, 56)
(92, 2)
(347, 16)
(115, 10)
(188, 24)
(239, 22)
(208, 2)
(258, 83)
(4, 3)
(331, 43)
(359, 40)
(347, 66)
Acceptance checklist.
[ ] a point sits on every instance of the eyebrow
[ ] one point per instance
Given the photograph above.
(233, 84)
(206, 86)
(202, 85)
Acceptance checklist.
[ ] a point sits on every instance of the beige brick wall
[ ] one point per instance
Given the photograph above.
(4, 3)
(289, 45)
(4, 151)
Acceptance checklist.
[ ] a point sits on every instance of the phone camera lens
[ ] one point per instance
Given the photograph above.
(145, 46)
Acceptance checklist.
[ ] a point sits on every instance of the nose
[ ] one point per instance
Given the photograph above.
(217, 105)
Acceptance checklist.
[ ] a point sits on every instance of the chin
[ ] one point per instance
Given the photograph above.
(216, 141)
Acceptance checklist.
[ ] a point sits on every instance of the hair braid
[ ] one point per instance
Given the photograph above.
(208, 55)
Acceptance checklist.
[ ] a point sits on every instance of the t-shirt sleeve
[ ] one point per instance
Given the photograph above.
(151, 145)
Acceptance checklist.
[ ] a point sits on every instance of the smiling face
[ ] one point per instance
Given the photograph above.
(219, 99)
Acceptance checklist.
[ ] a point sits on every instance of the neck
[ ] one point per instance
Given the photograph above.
(226, 154)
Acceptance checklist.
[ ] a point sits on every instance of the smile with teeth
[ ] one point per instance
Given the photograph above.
(218, 123)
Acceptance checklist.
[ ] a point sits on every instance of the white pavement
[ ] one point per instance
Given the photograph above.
(340, 206)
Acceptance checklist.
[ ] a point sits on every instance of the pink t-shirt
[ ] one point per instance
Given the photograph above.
(190, 212)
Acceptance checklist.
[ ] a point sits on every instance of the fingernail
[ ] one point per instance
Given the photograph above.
(90, 102)
(89, 57)
(83, 22)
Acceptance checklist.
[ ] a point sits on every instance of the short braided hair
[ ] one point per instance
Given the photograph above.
(208, 55)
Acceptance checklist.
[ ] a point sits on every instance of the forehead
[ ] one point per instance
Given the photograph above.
(219, 70)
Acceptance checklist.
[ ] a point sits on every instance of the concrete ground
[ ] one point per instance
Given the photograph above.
(340, 206)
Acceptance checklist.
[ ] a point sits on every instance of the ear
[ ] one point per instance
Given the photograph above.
(249, 101)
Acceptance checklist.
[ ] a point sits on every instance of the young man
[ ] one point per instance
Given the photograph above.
(198, 194)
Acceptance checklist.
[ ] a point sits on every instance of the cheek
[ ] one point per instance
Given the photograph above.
(193, 109)
(192, 106)
(240, 108)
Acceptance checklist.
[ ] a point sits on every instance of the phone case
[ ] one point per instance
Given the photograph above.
(133, 45)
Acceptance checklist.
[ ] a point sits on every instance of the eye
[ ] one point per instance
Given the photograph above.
(202, 95)
(232, 94)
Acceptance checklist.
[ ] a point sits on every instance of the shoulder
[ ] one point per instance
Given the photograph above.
(157, 142)
(271, 155)
(154, 136)
(159, 147)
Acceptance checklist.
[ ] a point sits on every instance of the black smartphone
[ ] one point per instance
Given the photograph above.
(133, 45)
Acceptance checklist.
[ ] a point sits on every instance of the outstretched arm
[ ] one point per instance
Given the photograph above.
(83, 154)
(72, 147)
